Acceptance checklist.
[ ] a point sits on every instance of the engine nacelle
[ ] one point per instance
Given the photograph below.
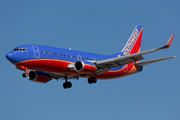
(139, 69)
(37, 76)
(85, 67)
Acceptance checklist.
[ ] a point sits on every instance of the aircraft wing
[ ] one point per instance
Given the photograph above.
(120, 61)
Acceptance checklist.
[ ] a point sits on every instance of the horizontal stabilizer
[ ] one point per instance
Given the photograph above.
(153, 61)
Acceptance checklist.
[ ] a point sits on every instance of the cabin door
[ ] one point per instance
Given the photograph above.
(36, 52)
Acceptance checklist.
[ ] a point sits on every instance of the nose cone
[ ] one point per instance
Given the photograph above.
(11, 57)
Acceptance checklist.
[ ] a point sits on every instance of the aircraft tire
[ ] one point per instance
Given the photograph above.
(65, 85)
(90, 81)
(94, 79)
(69, 84)
(24, 75)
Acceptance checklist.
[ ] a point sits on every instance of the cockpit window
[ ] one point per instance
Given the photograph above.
(20, 49)
(15, 49)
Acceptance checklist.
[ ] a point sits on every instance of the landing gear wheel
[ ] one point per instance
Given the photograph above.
(67, 85)
(24, 75)
(92, 80)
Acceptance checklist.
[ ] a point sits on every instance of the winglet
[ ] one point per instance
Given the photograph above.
(168, 44)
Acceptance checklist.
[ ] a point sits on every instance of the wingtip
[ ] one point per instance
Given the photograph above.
(170, 40)
(168, 44)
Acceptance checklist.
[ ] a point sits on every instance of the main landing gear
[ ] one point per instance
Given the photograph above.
(92, 80)
(67, 84)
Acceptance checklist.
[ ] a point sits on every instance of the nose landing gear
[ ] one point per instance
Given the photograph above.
(24, 75)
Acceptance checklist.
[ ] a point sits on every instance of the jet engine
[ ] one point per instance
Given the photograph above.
(139, 69)
(85, 67)
(37, 76)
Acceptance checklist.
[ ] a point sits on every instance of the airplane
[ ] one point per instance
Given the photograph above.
(42, 63)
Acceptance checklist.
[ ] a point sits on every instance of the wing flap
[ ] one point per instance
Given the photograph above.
(59, 76)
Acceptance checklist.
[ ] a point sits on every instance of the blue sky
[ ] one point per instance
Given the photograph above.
(96, 26)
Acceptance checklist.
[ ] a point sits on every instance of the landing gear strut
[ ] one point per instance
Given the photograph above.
(92, 80)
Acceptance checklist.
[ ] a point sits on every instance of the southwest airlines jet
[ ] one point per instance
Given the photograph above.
(42, 63)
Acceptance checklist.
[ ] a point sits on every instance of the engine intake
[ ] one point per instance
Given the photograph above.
(79, 66)
(32, 75)
(85, 67)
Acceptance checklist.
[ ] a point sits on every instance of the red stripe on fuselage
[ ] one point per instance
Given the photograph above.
(48, 65)
(60, 67)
